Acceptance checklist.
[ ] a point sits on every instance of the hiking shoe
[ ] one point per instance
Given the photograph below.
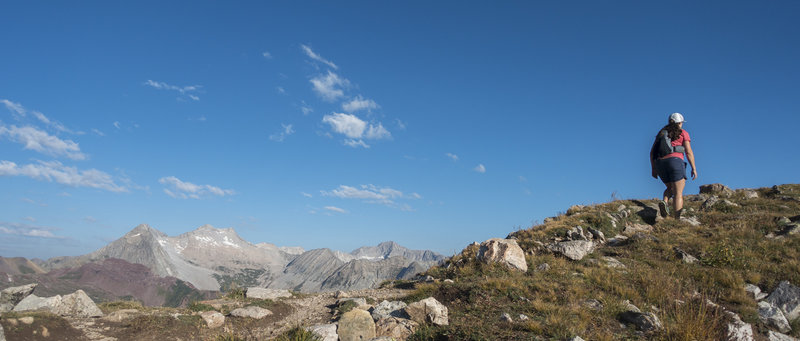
(678, 214)
(663, 209)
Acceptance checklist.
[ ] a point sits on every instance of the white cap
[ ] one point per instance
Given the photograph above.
(676, 117)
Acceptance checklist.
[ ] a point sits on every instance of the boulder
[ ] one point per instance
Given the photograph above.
(716, 189)
(786, 297)
(503, 251)
(755, 292)
(428, 310)
(251, 312)
(597, 235)
(388, 309)
(326, 332)
(396, 328)
(709, 203)
(773, 317)
(618, 240)
(9, 297)
(573, 249)
(773, 336)
(77, 304)
(359, 301)
(632, 229)
(684, 256)
(356, 325)
(750, 194)
(646, 322)
(738, 330)
(267, 294)
(33, 302)
(576, 233)
(214, 319)
(690, 220)
(506, 317)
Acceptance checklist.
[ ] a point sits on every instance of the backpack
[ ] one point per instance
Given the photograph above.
(663, 145)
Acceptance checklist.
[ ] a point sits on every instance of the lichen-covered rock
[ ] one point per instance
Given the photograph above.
(573, 249)
(267, 294)
(646, 322)
(755, 292)
(786, 297)
(396, 328)
(738, 330)
(503, 251)
(356, 325)
(9, 297)
(327, 332)
(716, 189)
(684, 256)
(428, 310)
(77, 304)
(33, 302)
(388, 309)
(773, 317)
(213, 319)
(773, 336)
(251, 312)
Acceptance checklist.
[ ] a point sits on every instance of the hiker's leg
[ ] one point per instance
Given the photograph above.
(667, 192)
(677, 187)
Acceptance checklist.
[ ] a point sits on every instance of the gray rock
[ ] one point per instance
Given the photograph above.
(396, 328)
(574, 209)
(739, 330)
(618, 240)
(77, 304)
(359, 301)
(642, 321)
(387, 309)
(684, 256)
(9, 297)
(503, 251)
(573, 249)
(428, 310)
(543, 267)
(612, 262)
(791, 229)
(33, 302)
(786, 297)
(2, 333)
(356, 325)
(523, 317)
(755, 292)
(773, 336)
(575, 338)
(576, 233)
(213, 319)
(690, 220)
(636, 228)
(593, 304)
(750, 194)
(773, 317)
(26, 320)
(251, 312)
(267, 294)
(709, 203)
(383, 338)
(716, 189)
(506, 317)
(327, 332)
(597, 235)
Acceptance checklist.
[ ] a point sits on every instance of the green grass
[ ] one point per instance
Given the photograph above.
(298, 334)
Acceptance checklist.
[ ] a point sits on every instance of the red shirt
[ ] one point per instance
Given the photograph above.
(679, 142)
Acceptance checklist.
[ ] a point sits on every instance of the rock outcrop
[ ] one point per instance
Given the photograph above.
(786, 297)
(356, 325)
(428, 310)
(77, 304)
(9, 297)
(503, 251)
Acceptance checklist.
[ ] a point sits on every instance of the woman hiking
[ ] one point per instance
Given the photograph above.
(667, 162)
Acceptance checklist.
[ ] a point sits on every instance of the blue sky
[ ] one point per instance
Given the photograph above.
(343, 124)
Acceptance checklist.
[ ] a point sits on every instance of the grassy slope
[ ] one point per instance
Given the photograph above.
(731, 244)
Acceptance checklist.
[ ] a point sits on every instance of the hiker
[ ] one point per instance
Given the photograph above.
(667, 162)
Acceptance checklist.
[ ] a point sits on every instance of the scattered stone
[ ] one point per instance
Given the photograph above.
(396, 328)
(727, 202)
(388, 309)
(576, 338)
(786, 297)
(773, 317)
(26, 320)
(340, 294)
(791, 229)
(428, 310)
(506, 317)
(612, 262)
(684, 256)
(573, 249)
(77, 304)
(9, 297)
(523, 317)
(574, 209)
(543, 267)
(593, 304)
(739, 330)
(45, 332)
(636, 228)
(641, 236)
(356, 325)
(755, 292)
(382, 338)
(2, 333)
(251, 312)
(774, 336)
(121, 315)
(597, 235)
(214, 319)
(750, 194)
(504, 251)
(267, 294)
(645, 322)
(690, 220)
(618, 240)
(576, 233)
(709, 203)
(449, 281)
(630, 307)
(716, 189)
(327, 332)
(359, 301)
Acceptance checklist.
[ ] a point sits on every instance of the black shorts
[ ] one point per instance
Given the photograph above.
(671, 169)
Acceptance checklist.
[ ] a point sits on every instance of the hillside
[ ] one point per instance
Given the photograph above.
(737, 238)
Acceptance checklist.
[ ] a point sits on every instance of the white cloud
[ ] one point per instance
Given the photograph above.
(452, 156)
(400, 124)
(359, 103)
(27, 230)
(355, 129)
(117, 124)
(19, 111)
(371, 194)
(53, 124)
(306, 195)
(280, 136)
(335, 209)
(54, 171)
(311, 54)
(480, 168)
(183, 90)
(267, 55)
(306, 109)
(40, 141)
(187, 190)
(15, 108)
(31, 219)
(330, 86)
(98, 132)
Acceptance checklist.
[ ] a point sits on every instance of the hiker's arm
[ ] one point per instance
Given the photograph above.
(653, 160)
(690, 157)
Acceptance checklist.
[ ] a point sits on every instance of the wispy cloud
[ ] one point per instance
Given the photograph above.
(329, 86)
(371, 194)
(452, 156)
(359, 103)
(480, 168)
(400, 124)
(355, 129)
(305, 108)
(16, 109)
(33, 202)
(306, 195)
(117, 125)
(19, 112)
(188, 90)
(98, 132)
(335, 209)
(187, 190)
(311, 54)
(267, 55)
(280, 90)
(28, 230)
(41, 141)
(280, 136)
(522, 179)
(29, 218)
(54, 171)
